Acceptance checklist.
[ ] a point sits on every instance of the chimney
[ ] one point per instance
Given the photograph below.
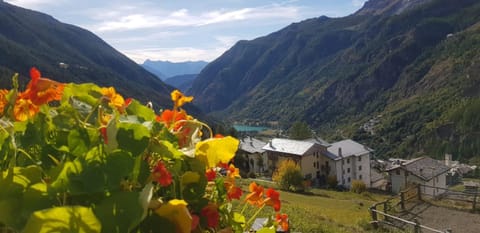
(340, 152)
(448, 159)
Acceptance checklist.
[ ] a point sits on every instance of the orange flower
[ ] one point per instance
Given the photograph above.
(116, 100)
(282, 220)
(210, 212)
(233, 192)
(3, 100)
(162, 175)
(273, 199)
(256, 194)
(170, 117)
(233, 172)
(24, 109)
(179, 99)
(42, 90)
(210, 174)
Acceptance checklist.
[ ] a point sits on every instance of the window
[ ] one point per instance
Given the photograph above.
(360, 177)
(359, 158)
(348, 170)
(348, 179)
(348, 160)
(397, 172)
(359, 168)
(343, 162)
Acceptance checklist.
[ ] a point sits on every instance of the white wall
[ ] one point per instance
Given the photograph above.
(351, 168)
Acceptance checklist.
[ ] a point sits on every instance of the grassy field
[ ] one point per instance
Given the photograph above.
(324, 210)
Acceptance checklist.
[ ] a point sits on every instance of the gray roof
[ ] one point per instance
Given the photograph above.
(289, 146)
(348, 148)
(252, 145)
(424, 167)
(318, 140)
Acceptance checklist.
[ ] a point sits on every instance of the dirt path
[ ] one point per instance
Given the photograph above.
(442, 218)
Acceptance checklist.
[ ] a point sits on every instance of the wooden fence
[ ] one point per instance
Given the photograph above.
(469, 198)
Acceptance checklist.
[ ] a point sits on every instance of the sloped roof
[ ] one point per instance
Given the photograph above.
(289, 146)
(252, 145)
(349, 148)
(318, 140)
(423, 167)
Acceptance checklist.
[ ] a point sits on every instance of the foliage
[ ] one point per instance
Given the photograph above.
(358, 186)
(81, 158)
(299, 131)
(288, 175)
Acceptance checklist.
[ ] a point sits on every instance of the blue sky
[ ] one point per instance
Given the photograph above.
(184, 30)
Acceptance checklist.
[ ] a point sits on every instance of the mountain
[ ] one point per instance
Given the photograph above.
(166, 69)
(400, 76)
(181, 82)
(29, 38)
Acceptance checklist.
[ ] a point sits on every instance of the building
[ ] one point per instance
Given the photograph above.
(352, 162)
(255, 158)
(345, 160)
(426, 171)
(309, 155)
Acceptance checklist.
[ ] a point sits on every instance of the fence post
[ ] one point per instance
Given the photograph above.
(474, 205)
(419, 192)
(402, 200)
(385, 209)
(373, 212)
(448, 231)
(416, 228)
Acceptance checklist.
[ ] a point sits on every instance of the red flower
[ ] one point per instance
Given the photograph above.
(210, 174)
(282, 220)
(103, 132)
(210, 212)
(162, 175)
(42, 90)
(273, 199)
(234, 192)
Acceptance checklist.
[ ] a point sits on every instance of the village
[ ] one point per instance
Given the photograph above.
(348, 160)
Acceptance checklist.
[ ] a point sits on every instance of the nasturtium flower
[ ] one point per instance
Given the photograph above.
(233, 192)
(255, 196)
(115, 99)
(233, 172)
(210, 174)
(173, 118)
(176, 211)
(3, 100)
(210, 212)
(273, 199)
(24, 109)
(215, 150)
(161, 174)
(282, 220)
(179, 99)
(42, 90)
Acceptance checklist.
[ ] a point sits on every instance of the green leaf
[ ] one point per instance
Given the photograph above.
(133, 137)
(119, 165)
(140, 110)
(266, 230)
(78, 142)
(87, 92)
(63, 219)
(239, 218)
(120, 212)
(165, 149)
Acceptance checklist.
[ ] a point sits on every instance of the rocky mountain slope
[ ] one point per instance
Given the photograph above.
(410, 66)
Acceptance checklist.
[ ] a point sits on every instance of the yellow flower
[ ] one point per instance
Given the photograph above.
(24, 109)
(179, 99)
(176, 211)
(116, 100)
(215, 150)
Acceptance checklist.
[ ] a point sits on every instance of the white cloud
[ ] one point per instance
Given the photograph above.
(33, 3)
(358, 3)
(183, 18)
(177, 54)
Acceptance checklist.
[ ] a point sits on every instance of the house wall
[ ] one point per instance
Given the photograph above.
(353, 168)
(437, 182)
(400, 179)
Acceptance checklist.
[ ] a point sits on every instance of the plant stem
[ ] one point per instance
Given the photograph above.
(247, 225)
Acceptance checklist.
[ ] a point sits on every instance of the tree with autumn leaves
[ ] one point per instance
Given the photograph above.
(78, 157)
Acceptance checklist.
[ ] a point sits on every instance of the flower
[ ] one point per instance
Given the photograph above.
(24, 109)
(115, 100)
(176, 211)
(179, 99)
(282, 220)
(233, 172)
(210, 174)
(233, 192)
(256, 194)
(42, 90)
(172, 118)
(3, 100)
(210, 212)
(161, 174)
(215, 150)
(273, 199)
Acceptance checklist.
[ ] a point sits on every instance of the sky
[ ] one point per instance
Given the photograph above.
(184, 30)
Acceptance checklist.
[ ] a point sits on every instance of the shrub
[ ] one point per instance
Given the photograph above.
(358, 186)
(288, 175)
(332, 182)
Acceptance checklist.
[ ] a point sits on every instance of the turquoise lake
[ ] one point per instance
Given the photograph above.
(246, 128)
